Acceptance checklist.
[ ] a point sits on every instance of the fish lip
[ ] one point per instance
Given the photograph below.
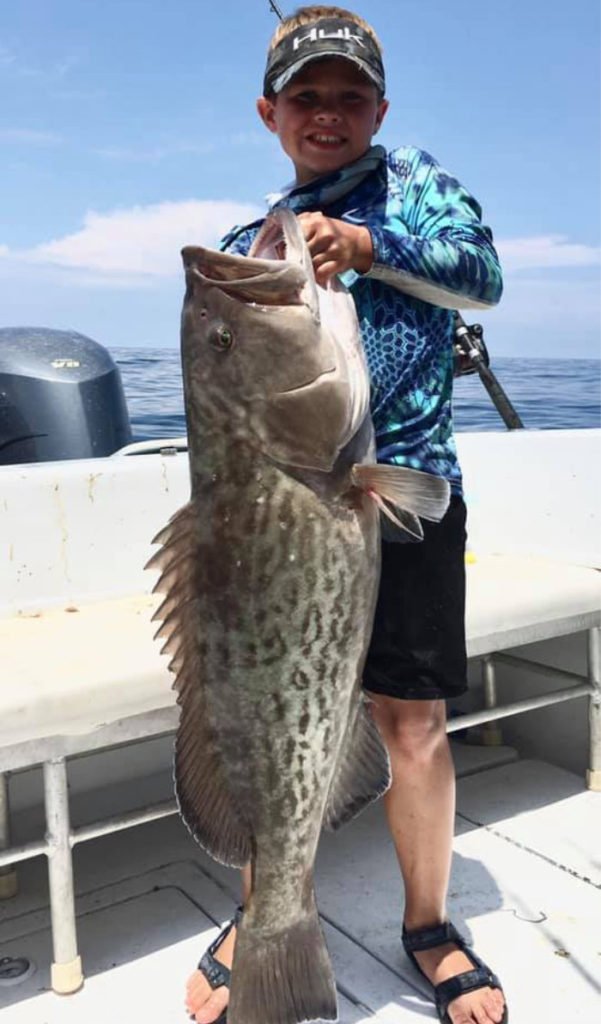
(301, 387)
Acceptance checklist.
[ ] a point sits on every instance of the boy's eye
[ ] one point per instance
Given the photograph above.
(309, 98)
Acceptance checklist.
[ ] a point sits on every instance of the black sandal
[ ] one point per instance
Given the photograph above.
(468, 981)
(218, 974)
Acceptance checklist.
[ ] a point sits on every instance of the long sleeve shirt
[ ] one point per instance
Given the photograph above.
(432, 255)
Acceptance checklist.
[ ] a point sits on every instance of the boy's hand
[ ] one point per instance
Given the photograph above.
(336, 246)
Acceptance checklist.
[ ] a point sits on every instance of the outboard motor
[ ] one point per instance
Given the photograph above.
(61, 397)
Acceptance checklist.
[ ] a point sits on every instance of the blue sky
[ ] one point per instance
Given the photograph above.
(128, 129)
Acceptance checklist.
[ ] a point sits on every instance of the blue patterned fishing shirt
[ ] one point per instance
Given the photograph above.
(432, 255)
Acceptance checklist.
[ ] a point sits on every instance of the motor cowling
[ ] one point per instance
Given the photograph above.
(61, 397)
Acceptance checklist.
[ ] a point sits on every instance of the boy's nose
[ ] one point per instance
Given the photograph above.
(328, 115)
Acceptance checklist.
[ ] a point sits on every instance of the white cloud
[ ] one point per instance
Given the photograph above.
(28, 137)
(177, 148)
(6, 57)
(143, 241)
(15, 64)
(130, 248)
(156, 153)
(540, 251)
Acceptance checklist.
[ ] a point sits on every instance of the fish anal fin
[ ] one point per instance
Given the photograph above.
(362, 774)
(204, 796)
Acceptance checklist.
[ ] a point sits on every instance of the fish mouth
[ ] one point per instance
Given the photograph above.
(255, 282)
(272, 242)
(277, 271)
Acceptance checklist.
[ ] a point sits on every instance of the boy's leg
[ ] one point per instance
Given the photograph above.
(420, 808)
(420, 804)
(416, 661)
(203, 1003)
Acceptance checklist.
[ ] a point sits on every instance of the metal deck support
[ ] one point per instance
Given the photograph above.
(491, 735)
(593, 775)
(8, 874)
(66, 969)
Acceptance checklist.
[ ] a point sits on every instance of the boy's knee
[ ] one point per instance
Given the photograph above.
(413, 728)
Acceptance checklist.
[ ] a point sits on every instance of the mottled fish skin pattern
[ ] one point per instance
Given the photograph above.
(291, 580)
(277, 603)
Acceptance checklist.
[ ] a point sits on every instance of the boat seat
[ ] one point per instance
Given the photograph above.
(74, 671)
(514, 600)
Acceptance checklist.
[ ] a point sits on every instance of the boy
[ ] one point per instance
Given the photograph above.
(407, 240)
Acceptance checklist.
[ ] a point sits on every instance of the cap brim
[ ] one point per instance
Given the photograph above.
(286, 76)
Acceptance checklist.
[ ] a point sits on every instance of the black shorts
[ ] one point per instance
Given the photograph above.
(417, 650)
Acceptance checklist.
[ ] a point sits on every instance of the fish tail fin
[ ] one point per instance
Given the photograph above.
(284, 978)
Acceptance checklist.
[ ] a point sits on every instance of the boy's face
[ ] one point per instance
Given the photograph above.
(325, 117)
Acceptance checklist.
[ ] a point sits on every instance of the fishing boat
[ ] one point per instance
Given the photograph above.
(106, 903)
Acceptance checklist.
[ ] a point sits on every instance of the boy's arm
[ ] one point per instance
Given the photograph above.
(437, 248)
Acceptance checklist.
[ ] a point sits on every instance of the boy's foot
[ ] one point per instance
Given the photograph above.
(482, 1006)
(206, 1003)
(445, 960)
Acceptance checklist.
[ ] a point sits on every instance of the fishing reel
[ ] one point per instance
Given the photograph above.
(469, 350)
(470, 355)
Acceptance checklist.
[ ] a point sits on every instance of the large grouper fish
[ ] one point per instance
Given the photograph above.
(270, 574)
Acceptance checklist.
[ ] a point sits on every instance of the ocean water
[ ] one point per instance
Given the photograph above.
(548, 394)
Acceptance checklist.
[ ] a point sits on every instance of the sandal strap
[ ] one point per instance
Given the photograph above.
(429, 938)
(216, 973)
(444, 993)
(469, 981)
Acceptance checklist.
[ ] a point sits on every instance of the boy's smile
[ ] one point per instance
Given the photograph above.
(325, 117)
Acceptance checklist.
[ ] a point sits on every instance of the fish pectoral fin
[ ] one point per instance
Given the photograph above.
(362, 773)
(405, 520)
(412, 492)
(204, 798)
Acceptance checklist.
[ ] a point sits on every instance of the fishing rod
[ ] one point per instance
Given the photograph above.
(471, 356)
(276, 10)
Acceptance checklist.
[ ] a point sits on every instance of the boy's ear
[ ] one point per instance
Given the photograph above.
(382, 109)
(266, 111)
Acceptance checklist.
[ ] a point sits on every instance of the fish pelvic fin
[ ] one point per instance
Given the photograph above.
(362, 774)
(284, 978)
(201, 786)
(413, 494)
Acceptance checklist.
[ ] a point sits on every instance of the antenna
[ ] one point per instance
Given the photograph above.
(276, 10)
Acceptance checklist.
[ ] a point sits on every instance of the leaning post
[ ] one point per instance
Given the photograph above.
(593, 775)
(66, 970)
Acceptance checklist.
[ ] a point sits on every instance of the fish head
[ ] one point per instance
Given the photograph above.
(258, 357)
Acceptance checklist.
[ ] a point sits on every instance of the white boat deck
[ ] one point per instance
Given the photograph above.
(526, 888)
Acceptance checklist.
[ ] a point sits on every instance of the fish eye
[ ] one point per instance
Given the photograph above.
(221, 338)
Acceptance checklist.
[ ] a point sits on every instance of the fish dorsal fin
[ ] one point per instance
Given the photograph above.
(202, 790)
